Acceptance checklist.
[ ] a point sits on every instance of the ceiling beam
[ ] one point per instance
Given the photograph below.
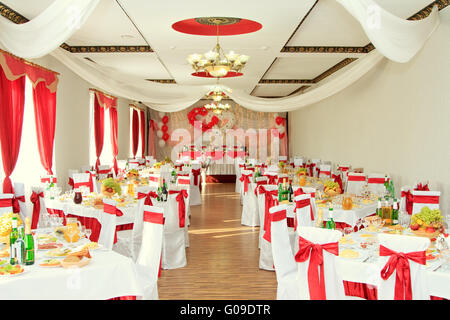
(105, 49)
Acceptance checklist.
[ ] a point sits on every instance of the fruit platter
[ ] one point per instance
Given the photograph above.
(110, 187)
(132, 174)
(6, 225)
(7, 269)
(331, 188)
(427, 223)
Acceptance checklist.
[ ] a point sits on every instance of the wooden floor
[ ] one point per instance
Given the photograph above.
(222, 260)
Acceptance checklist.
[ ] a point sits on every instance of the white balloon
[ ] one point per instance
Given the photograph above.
(161, 114)
(159, 134)
(162, 143)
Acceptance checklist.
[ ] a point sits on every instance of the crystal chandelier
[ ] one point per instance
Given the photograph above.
(218, 93)
(217, 108)
(216, 63)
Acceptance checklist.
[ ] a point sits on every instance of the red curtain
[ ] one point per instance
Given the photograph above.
(115, 148)
(135, 132)
(151, 151)
(143, 132)
(99, 124)
(45, 116)
(12, 98)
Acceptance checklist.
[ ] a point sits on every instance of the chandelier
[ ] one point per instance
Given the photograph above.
(217, 108)
(218, 93)
(217, 64)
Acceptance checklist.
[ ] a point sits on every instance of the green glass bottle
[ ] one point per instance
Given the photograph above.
(379, 210)
(395, 212)
(280, 193)
(330, 223)
(29, 243)
(13, 236)
(20, 246)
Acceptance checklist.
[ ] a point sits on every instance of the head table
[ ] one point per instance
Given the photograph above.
(108, 275)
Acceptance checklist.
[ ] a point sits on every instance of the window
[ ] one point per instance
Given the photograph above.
(106, 157)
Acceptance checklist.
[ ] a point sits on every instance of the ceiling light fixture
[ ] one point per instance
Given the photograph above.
(217, 108)
(217, 64)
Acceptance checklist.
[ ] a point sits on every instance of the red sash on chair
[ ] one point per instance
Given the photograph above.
(314, 252)
(105, 171)
(15, 203)
(269, 202)
(246, 179)
(271, 179)
(398, 261)
(7, 202)
(356, 178)
(408, 201)
(47, 180)
(327, 173)
(70, 183)
(153, 178)
(157, 218)
(259, 183)
(182, 194)
(195, 174)
(107, 208)
(148, 197)
(301, 204)
(376, 180)
(36, 208)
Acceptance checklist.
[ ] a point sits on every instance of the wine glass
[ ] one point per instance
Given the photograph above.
(71, 232)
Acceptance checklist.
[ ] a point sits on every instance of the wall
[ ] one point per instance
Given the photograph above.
(395, 119)
(72, 121)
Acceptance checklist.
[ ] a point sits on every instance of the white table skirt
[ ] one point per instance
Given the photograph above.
(107, 276)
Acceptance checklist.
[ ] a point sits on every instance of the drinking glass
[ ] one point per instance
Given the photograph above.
(88, 233)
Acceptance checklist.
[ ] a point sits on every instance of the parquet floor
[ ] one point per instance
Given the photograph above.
(222, 260)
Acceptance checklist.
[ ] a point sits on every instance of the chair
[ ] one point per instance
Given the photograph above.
(304, 211)
(70, 177)
(86, 168)
(401, 253)
(6, 202)
(249, 215)
(129, 241)
(149, 259)
(39, 208)
(325, 171)
(19, 196)
(83, 180)
(196, 198)
(47, 179)
(325, 282)
(153, 179)
(141, 161)
(239, 165)
(376, 181)
(315, 163)
(422, 199)
(174, 243)
(267, 198)
(283, 259)
(298, 162)
(283, 159)
(133, 163)
(272, 177)
(355, 182)
(108, 218)
(103, 172)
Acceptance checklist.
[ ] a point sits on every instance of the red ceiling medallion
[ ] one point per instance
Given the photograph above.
(206, 26)
(204, 74)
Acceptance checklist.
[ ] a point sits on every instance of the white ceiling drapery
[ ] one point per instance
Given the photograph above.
(47, 31)
(395, 38)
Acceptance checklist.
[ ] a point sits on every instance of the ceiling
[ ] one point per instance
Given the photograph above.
(300, 44)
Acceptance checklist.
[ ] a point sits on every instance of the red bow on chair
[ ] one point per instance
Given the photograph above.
(36, 208)
(408, 200)
(112, 210)
(304, 203)
(182, 194)
(398, 261)
(271, 179)
(311, 168)
(148, 197)
(91, 181)
(314, 252)
(15, 203)
(195, 174)
(70, 183)
(337, 178)
(269, 202)
(246, 179)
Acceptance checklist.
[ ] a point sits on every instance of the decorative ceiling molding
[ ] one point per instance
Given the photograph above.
(299, 90)
(285, 81)
(171, 81)
(301, 22)
(11, 14)
(105, 49)
(425, 12)
(305, 49)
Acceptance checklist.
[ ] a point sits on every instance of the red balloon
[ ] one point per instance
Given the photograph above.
(165, 119)
(279, 120)
(282, 135)
(165, 136)
(164, 128)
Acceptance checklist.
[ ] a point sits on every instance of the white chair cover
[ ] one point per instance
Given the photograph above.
(405, 244)
(315, 164)
(355, 182)
(402, 206)
(283, 259)
(19, 193)
(85, 168)
(298, 162)
(6, 204)
(249, 215)
(283, 158)
(149, 258)
(375, 181)
(195, 198)
(422, 199)
(153, 179)
(334, 286)
(265, 253)
(303, 214)
(108, 224)
(239, 164)
(70, 173)
(174, 243)
(83, 180)
(43, 209)
(325, 170)
(103, 172)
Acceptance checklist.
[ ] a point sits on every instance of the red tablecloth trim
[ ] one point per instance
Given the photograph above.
(124, 298)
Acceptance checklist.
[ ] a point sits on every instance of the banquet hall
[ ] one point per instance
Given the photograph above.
(247, 150)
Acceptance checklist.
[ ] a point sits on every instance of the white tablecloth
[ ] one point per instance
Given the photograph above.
(220, 168)
(108, 275)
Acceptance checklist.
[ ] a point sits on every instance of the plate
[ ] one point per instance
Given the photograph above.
(9, 274)
(50, 266)
(58, 253)
(350, 252)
